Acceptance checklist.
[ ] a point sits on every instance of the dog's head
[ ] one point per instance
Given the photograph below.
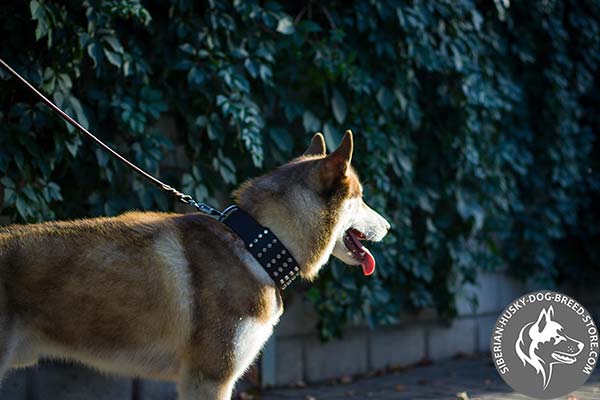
(314, 204)
(550, 340)
(544, 343)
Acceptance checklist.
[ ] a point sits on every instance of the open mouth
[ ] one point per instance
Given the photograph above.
(352, 239)
(563, 358)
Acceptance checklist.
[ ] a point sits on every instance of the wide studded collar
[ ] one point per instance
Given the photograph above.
(266, 248)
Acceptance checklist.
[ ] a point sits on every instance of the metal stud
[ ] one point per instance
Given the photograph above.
(265, 231)
(296, 269)
(259, 255)
(275, 273)
(285, 265)
(260, 235)
(268, 265)
(269, 245)
(280, 269)
(250, 245)
(289, 259)
(286, 278)
(278, 256)
(283, 251)
(273, 261)
(274, 241)
(255, 240)
(281, 281)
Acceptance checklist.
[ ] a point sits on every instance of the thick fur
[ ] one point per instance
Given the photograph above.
(543, 343)
(172, 296)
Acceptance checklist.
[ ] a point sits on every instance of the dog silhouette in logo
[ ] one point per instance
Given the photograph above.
(543, 343)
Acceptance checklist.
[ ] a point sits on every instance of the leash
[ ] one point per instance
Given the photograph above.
(182, 197)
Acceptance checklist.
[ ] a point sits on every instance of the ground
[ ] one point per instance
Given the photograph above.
(465, 378)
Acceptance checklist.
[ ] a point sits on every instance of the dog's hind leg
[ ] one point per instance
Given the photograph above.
(8, 334)
(8, 343)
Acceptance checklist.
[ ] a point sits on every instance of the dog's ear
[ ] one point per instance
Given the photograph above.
(544, 318)
(338, 162)
(317, 146)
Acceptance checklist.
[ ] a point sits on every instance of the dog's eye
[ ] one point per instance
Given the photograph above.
(558, 339)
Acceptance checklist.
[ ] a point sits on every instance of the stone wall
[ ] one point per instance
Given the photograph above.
(299, 356)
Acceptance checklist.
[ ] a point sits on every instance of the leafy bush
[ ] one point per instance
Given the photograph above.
(475, 124)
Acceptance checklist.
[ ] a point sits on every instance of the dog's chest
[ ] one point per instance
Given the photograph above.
(251, 335)
(252, 332)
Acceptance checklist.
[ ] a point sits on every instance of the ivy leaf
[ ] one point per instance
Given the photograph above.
(79, 113)
(95, 52)
(38, 14)
(196, 76)
(9, 196)
(385, 98)
(332, 135)
(73, 145)
(265, 73)
(282, 138)
(113, 58)
(7, 182)
(114, 43)
(286, 26)
(22, 208)
(54, 191)
(187, 48)
(339, 106)
(19, 159)
(30, 193)
(311, 123)
(251, 68)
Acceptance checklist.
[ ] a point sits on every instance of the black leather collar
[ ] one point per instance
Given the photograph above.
(266, 248)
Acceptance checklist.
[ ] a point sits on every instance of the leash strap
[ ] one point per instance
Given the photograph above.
(184, 198)
(264, 246)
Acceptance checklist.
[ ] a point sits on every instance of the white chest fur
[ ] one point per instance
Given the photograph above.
(251, 333)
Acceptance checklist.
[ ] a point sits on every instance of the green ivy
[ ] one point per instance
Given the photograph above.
(475, 124)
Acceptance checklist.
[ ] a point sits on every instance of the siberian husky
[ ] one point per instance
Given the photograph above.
(172, 296)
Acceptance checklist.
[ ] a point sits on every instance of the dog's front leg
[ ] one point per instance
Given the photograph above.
(195, 386)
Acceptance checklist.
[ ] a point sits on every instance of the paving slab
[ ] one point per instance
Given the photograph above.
(15, 385)
(475, 376)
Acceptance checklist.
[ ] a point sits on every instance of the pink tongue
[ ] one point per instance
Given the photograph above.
(368, 261)
(362, 254)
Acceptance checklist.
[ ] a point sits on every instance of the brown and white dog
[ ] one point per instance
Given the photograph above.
(172, 296)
